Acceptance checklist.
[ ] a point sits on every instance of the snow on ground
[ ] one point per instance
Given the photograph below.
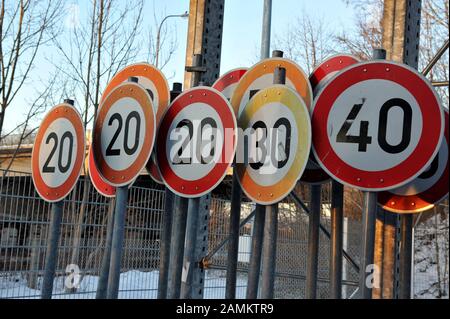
(134, 284)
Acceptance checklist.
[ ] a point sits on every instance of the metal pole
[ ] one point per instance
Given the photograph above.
(104, 271)
(269, 252)
(337, 234)
(117, 242)
(166, 232)
(265, 37)
(189, 250)
(368, 244)
(177, 249)
(52, 249)
(313, 243)
(233, 244)
(271, 228)
(255, 257)
(436, 58)
(406, 250)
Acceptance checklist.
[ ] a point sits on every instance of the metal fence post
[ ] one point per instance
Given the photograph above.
(337, 234)
(52, 249)
(166, 231)
(233, 244)
(368, 244)
(117, 242)
(255, 257)
(313, 243)
(104, 271)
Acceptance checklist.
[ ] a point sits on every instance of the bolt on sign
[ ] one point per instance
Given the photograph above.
(155, 82)
(197, 140)
(58, 153)
(278, 131)
(260, 76)
(376, 125)
(425, 191)
(321, 75)
(124, 133)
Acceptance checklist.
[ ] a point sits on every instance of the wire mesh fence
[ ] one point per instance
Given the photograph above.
(24, 220)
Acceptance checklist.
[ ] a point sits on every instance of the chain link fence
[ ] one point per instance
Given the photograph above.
(24, 220)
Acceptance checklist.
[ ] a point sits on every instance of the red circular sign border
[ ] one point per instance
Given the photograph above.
(96, 179)
(182, 187)
(55, 194)
(229, 78)
(365, 180)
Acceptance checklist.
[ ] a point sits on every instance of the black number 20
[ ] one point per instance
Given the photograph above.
(61, 167)
(363, 139)
(128, 150)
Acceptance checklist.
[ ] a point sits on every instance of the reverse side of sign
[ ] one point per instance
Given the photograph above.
(313, 174)
(124, 133)
(227, 83)
(153, 80)
(376, 125)
(58, 153)
(425, 191)
(196, 142)
(260, 76)
(279, 140)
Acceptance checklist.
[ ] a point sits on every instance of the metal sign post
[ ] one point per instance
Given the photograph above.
(313, 243)
(56, 162)
(336, 241)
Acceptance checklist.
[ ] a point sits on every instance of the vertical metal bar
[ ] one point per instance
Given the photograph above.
(269, 252)
(104, 270)
(368, 244)
(189, 250)
(52, 249)
(117, 242)
(255, 257)
(177, 249)
(337, 237)
(233, 244)
(265, 36)
(313, 243)
(271, 227)
(406, 249)
(166, 232)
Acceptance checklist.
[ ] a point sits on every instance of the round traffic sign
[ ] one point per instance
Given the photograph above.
(100, 185)
(376, 125)
(278, 131)
(58, 153)
(426, 190)
(313, 173)
(124, 133)
(196, 142)
(260, 76)
(153, 80)
(227, 83)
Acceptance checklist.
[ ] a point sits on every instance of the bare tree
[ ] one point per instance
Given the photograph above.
(25, 27)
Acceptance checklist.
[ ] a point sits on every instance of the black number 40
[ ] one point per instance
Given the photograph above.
(363, 139)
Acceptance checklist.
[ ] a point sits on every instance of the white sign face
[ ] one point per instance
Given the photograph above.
(146, 83)
(195, 141)
(123, 133)
(277, 146)
(429, 177)
(58, 152)
(260, 83)
(376, 133)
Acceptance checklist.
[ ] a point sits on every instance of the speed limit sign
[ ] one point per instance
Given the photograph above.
(58, 153)
(278, 129)
(227, 83)
(124, 133)
(376, 125)
(426, 190)
(196, 142)
(260, 76)
(314, 174)
(155, 82)
(100, 185)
